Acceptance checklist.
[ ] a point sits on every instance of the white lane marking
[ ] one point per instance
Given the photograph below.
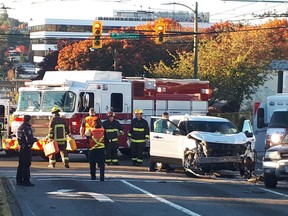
(71, 193)
(13, 187)
(97, 196)
(274, 192)
(171, 204)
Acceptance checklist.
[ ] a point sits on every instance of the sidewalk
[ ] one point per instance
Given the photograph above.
(4, 205)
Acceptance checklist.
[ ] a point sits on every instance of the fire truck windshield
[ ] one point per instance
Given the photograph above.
(30, 101)
(65, 100)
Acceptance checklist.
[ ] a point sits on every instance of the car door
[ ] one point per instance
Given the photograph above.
(166, 143)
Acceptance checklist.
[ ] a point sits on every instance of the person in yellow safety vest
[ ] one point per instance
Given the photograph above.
(95, 145)
(58, 131)
(139, 135)
(113, 129)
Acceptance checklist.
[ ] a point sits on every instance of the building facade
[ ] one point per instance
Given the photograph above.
(45, 33)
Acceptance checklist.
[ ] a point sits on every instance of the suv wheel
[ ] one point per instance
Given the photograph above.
(270, 180)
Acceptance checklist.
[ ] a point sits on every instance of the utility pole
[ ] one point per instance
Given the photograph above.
(196, 41)
(195, 49)
(115, 59)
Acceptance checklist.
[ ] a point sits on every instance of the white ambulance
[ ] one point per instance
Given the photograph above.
(270, 121)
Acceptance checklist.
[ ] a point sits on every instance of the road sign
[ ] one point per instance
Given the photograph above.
(120, 36)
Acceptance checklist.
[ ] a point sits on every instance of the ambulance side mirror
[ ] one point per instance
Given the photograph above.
(86, 99)
(260, 118)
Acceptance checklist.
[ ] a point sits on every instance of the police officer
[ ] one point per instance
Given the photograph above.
(58, 130)
(25, 140)
(113, 129)
(95, 145)
(138, 134)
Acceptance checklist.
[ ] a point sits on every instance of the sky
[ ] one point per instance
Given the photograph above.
(25, 10)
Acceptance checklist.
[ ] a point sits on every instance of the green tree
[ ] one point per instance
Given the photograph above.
(234, 62)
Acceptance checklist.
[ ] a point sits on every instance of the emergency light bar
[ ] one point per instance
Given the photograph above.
(40, 83)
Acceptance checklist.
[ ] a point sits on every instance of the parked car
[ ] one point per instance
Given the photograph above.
(202, 144)
(275, 163)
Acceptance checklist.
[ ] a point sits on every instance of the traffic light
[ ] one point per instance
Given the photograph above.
(97, 33)
(160, 29)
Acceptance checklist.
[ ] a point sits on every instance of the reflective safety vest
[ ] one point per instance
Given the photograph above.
(97, 139)
(90, 122)
(58, 130)
(160, 126)
(87, 124)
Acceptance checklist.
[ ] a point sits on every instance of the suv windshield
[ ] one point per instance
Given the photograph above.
(279, 120)
(209, 126)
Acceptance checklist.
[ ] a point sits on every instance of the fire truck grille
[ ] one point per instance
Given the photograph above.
(40, 126)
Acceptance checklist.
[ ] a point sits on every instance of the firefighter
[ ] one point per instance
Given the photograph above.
(113, 129)
(95, 145)
(58, 130)
(25, 140)
(138, 134)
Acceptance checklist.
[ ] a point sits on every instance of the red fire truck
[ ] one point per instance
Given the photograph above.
(74, 92)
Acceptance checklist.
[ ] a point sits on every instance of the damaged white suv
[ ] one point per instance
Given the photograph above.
(202, 144)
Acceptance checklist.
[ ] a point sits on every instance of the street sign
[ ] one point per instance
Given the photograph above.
(120, 36)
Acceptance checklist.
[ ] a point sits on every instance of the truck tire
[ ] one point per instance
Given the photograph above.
(270, 180)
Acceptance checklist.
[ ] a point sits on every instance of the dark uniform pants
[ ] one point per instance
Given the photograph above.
(97, 156)
(111, 152)
(137, 150)
(23, 170)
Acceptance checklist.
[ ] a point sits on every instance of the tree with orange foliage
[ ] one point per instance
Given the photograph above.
(130, 56)
(277, 33)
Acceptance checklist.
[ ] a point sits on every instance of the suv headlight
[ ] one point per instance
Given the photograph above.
(273, 155)
(276, 138)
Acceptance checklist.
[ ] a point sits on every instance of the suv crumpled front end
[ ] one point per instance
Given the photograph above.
(221, 152)
(275, 165)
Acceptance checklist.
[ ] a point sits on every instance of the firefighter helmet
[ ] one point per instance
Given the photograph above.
(110, 114)
(138, 111)
(55, 110)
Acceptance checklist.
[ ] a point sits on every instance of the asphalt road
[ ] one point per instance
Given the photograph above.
(129, 190)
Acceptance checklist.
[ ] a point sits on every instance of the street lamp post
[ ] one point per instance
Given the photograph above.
(196, 41)
(195, 48)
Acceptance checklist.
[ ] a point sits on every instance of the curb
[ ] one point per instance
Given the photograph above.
(5, 209)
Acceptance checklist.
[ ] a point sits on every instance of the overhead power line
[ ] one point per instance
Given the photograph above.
(259, 1)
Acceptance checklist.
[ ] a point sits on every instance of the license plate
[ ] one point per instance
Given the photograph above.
(286, 169)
